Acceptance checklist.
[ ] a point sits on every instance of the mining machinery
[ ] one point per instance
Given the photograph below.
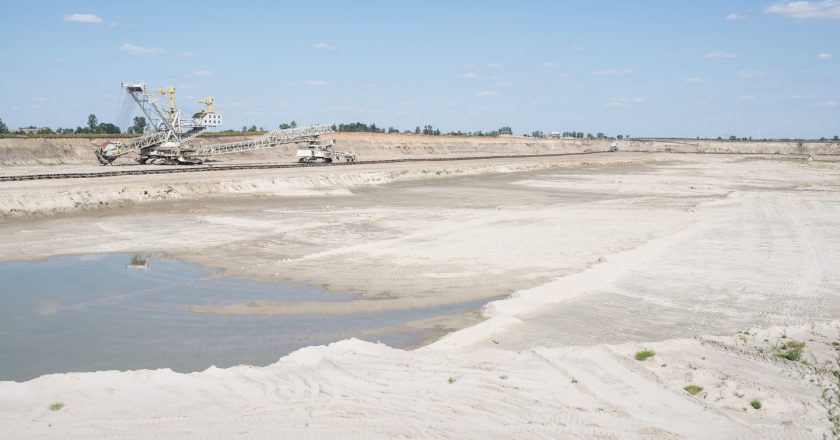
(166, 140)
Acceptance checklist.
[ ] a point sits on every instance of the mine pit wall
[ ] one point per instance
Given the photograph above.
(374, 146)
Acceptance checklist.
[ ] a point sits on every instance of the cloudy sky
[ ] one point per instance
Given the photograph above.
(654, 68)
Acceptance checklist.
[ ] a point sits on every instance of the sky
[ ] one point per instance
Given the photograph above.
(761, 69)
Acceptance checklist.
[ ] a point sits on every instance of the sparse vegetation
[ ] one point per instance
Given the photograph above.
(503, 377)
(574, 380)
(791, 350)
(755, 403)
(693, 389)
(644, 355)
(452, 380)
(56, 406)
(831, 400)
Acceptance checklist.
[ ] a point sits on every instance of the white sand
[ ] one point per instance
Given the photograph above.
(624, 255)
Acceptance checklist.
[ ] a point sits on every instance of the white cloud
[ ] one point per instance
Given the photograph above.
(323, 46)
(735, 17)
(548, 64)
(612, 72)
(202, 73)
(494, 66)
(183, 55)
(487, 93)
(696, 80)
(313, 82)
(802, 10)
(719, 54)
(133, 50)
(83, 18)
(824, 56)
(469, 76)
(113, 24)
(751, 74)
(827, 104)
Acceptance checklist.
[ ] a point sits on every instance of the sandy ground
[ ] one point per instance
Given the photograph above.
(602, 258)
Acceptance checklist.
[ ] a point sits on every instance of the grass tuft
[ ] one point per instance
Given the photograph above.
(56, 406)
(756, 404)
(644, 355)
(452, 380)
(791, 350)
(693, 389)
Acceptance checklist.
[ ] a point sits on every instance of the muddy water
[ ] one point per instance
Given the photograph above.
(116, 311)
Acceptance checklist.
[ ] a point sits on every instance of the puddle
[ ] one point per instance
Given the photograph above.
(120, 312)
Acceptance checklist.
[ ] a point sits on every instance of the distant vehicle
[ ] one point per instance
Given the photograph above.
(613, 147)
(315, 152)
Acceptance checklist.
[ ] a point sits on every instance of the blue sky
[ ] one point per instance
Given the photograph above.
(653, 68)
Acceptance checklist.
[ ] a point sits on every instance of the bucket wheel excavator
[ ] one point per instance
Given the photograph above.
(166, 140)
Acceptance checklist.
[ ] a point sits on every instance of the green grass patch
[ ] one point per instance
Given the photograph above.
(56, 406)
(644, 355)
(452, 380)
(693, 389)
(756, 404)
(791, 350)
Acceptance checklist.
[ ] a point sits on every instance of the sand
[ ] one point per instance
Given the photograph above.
(601, 258)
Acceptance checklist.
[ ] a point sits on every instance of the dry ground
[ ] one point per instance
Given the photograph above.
(620, 250)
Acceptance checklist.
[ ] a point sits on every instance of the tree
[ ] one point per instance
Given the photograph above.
(139, 125)
(621, 136)
(417, 130)
(600, 135)
(4, 129)
(428, 130)
(107, 127)
(253, 128)
(505, 130)
(538, 134)
(293, 124)
(392, 130)
(92, 122)
(244, 129)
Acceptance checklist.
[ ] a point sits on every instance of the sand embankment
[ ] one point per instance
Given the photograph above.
(50, 197)
(373, 146)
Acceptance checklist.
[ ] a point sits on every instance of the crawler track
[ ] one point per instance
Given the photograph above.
(196, 169)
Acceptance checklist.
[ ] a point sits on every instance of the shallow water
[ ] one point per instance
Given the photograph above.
(99, 312)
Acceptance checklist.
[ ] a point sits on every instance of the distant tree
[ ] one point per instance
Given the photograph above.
(392, 130)
(139, 125)
(45, 130)
(538, 134)
(334, 128)
(253, 128)
(244, 129)
(5, 129)
(293, 124)
(1, 122)
(579, 135)
(600, 135)
(621, 136)
(589, 136)
(92, 122)
(733, 138)
(107, 127)
(417, 130)
(505, 130)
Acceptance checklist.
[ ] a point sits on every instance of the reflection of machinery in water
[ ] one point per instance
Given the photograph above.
(165, 142)
(139, 261)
